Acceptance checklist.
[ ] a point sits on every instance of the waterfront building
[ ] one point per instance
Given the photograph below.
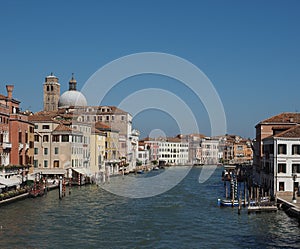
(171, 150)
(16, 139)
(112, 157)
(143, 158)
(194, 141)
(59, 144)
(281, 161)
(133, 149)
(268, 128)
(119, 120)
(234, 149)
(209, 151)
(98, 139)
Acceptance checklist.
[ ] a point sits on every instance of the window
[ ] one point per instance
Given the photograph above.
(45, 151)
(46, 138)
(55, 138)
(65, 138)
(296, 168)
(45, 127)
(296, 149)
(26, 137)
(281, 186)
(281, 167)
(56, 164)
(107, 118)
(36, 138)
(45, 163)
(20, 136)
(282, 149)
(35, 163)
(36, 126)
(36, 151)
(240, 147)
(56, 150)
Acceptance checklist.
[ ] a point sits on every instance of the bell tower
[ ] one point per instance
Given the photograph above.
(51, 93)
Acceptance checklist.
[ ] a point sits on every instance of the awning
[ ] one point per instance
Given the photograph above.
(45, 171)
(82, 171)
(9, 182)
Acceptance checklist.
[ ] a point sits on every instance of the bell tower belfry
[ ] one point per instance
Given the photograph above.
(51, 93)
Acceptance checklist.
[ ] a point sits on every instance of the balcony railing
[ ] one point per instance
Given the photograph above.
(21, 146)
(6, 145)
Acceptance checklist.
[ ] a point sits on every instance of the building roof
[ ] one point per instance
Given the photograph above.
(62, 127)
(293, 132)
(96, 131)
(103, 127)
(40, 118)
(283, 118)
(112, 110)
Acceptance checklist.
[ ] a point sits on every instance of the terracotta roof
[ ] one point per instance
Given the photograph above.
(37, 118)
(114, 110)
(285, 117)
(103, 127)
(293, 132)
(96, 131)
(277, 127)
(65, 129)
(174, 140)
(62, 127)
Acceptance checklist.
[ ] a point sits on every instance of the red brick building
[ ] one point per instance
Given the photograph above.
(16, 132)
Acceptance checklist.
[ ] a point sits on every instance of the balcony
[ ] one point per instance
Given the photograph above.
(6, 145)
(21, 146)
(26, 146)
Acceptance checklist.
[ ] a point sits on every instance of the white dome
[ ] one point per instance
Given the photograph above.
(72, 98)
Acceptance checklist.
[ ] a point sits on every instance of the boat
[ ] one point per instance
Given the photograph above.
(36, 192)
(228, 203)
(156, 168)
(235, 203)
(140, 171)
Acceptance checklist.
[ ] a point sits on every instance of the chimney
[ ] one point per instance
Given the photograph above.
(9, 89)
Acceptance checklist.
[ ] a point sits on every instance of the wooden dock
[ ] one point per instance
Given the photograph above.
(259, 209)
(292, 209)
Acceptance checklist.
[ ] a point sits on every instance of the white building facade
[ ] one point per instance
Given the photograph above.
(168, 150)
(281, 160)
(209, 151)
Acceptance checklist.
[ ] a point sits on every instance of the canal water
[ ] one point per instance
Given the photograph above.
(187, 216)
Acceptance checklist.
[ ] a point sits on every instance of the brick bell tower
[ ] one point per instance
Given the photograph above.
(51, 93)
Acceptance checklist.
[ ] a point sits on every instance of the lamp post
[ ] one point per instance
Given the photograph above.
(294, 175)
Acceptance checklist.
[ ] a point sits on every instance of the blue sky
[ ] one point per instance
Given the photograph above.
(248, 49)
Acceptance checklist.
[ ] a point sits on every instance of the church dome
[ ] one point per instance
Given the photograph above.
(72, 97)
